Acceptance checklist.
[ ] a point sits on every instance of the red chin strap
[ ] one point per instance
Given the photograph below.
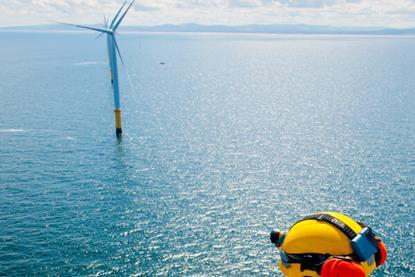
(335, 267)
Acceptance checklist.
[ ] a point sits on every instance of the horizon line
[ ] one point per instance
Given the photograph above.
(225, 25)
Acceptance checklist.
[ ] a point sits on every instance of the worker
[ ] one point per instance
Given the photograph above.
(329, 245)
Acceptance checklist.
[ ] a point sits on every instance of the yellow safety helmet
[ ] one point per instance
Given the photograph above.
(328, 244)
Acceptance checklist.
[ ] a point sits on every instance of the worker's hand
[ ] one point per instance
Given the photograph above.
(335, 267)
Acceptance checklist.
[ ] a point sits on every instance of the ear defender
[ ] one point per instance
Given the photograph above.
(336, 267)
(340, 267)
(382, 253)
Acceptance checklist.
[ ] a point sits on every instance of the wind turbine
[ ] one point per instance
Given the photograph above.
(109, 30)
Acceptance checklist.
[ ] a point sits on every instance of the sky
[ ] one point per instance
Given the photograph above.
(351, 13)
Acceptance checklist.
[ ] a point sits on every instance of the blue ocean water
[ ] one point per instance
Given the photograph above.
(233, 135)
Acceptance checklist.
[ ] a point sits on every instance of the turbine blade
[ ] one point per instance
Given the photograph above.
(130, 83)
(100, 35)
(105, 21)
(118, 50)
(114, 28)
(87, 27)
(117, 14)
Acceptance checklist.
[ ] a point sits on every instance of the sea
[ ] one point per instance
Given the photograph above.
(226, 136)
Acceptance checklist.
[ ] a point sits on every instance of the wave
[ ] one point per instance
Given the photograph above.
(88, 63)
(12, 130)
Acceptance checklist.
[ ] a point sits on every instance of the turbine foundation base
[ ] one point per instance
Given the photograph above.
(118, 128)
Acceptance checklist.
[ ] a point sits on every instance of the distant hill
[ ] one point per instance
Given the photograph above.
(253, 28)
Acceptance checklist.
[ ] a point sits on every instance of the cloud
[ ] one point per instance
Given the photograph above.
(385, 13)
(308, 3)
